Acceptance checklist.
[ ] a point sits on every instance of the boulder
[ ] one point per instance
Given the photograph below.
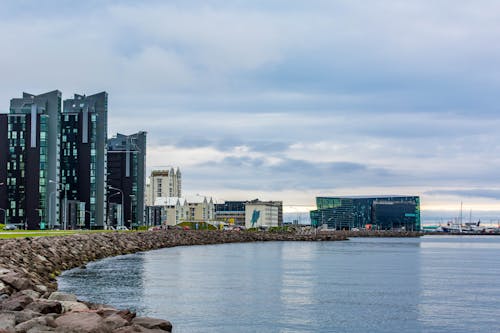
(137, 329)
(16, 281)
(7, 320)
(38, 322)
(45, 307)
(17, 303)
(81, 322)
(68, 306)
(31, 293)
(40, 329)
(22, 316)
(153, 323)
(115, 321)
(60, 296)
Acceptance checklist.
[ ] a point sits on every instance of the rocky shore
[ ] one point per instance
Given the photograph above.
(29, 301)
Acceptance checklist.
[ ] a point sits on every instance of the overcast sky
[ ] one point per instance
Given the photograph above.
(282, 99)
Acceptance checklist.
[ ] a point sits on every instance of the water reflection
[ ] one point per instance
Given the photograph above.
(363, 285)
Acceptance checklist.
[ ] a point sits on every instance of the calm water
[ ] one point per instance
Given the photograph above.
(432, 284)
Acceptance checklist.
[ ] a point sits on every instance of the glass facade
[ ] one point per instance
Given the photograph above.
(382, 213)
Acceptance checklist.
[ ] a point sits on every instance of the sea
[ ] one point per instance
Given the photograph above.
(427, 284)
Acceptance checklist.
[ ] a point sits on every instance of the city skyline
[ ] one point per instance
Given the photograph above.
(281, 100)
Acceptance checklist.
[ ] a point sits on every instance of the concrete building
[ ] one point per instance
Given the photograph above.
(377, 212)
(83, 161)
(231, 212)
(29, 164)
(200, 209)
(263, 213)
(164, 183)
(175, 209)
(126, 166)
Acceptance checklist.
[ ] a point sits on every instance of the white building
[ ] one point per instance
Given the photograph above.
(261, 214)
(200, 209)
(178, 210)
(175, 209)
(163, 183)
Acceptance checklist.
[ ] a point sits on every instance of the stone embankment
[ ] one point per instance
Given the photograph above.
(29, 301)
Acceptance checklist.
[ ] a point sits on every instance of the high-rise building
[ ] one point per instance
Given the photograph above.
(31, 169)
(379, 212)
(164, 183)
(4, 157)
(84, 124)
(126, 179)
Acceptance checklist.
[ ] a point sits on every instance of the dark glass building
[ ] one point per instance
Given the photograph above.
(29, 146)
(126, 176)
(381, 213)
(232, 212)
(83, 161)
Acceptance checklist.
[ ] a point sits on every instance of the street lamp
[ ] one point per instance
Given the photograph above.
(122, 209)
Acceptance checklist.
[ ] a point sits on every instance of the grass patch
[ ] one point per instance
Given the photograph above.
(47, 233)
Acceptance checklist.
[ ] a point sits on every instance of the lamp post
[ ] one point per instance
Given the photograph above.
(121, 192)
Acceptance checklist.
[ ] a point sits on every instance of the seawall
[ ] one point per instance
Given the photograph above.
(29, 301)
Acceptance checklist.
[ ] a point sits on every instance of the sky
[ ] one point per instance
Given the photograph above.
(283, 99)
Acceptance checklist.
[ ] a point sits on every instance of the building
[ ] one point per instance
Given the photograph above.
(200, 209)
(83, 161)
(164, 183)
(380, 212)
(231, 212)
(126, 166)
(155, 215)
(263, 213)
(4, 158)
(29, 168)
(175, 209)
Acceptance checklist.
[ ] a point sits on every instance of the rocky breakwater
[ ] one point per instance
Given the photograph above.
(29, 301)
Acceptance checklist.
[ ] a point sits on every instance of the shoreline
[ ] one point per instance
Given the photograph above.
(30, 302)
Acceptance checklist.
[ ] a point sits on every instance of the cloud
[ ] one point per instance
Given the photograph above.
(275, 96)
(469, 193)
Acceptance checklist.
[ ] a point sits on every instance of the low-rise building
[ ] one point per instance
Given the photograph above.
(175, 209)
(231, 212)
(263, 213)
(379, 212)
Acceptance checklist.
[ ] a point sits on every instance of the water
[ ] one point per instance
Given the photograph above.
(431, 284)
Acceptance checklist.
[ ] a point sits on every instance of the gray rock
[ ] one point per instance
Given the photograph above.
(73, 306)
(60, 296)
(35, 322)
(45, 307)
(5, 288)
(137, 329)
(40, 329)
(81, 322)
(16, 303)
(31, 293)
(41, 288)
(115, 321)
(16, 281)
(22, 316)
(7, 320)
(153, 323)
